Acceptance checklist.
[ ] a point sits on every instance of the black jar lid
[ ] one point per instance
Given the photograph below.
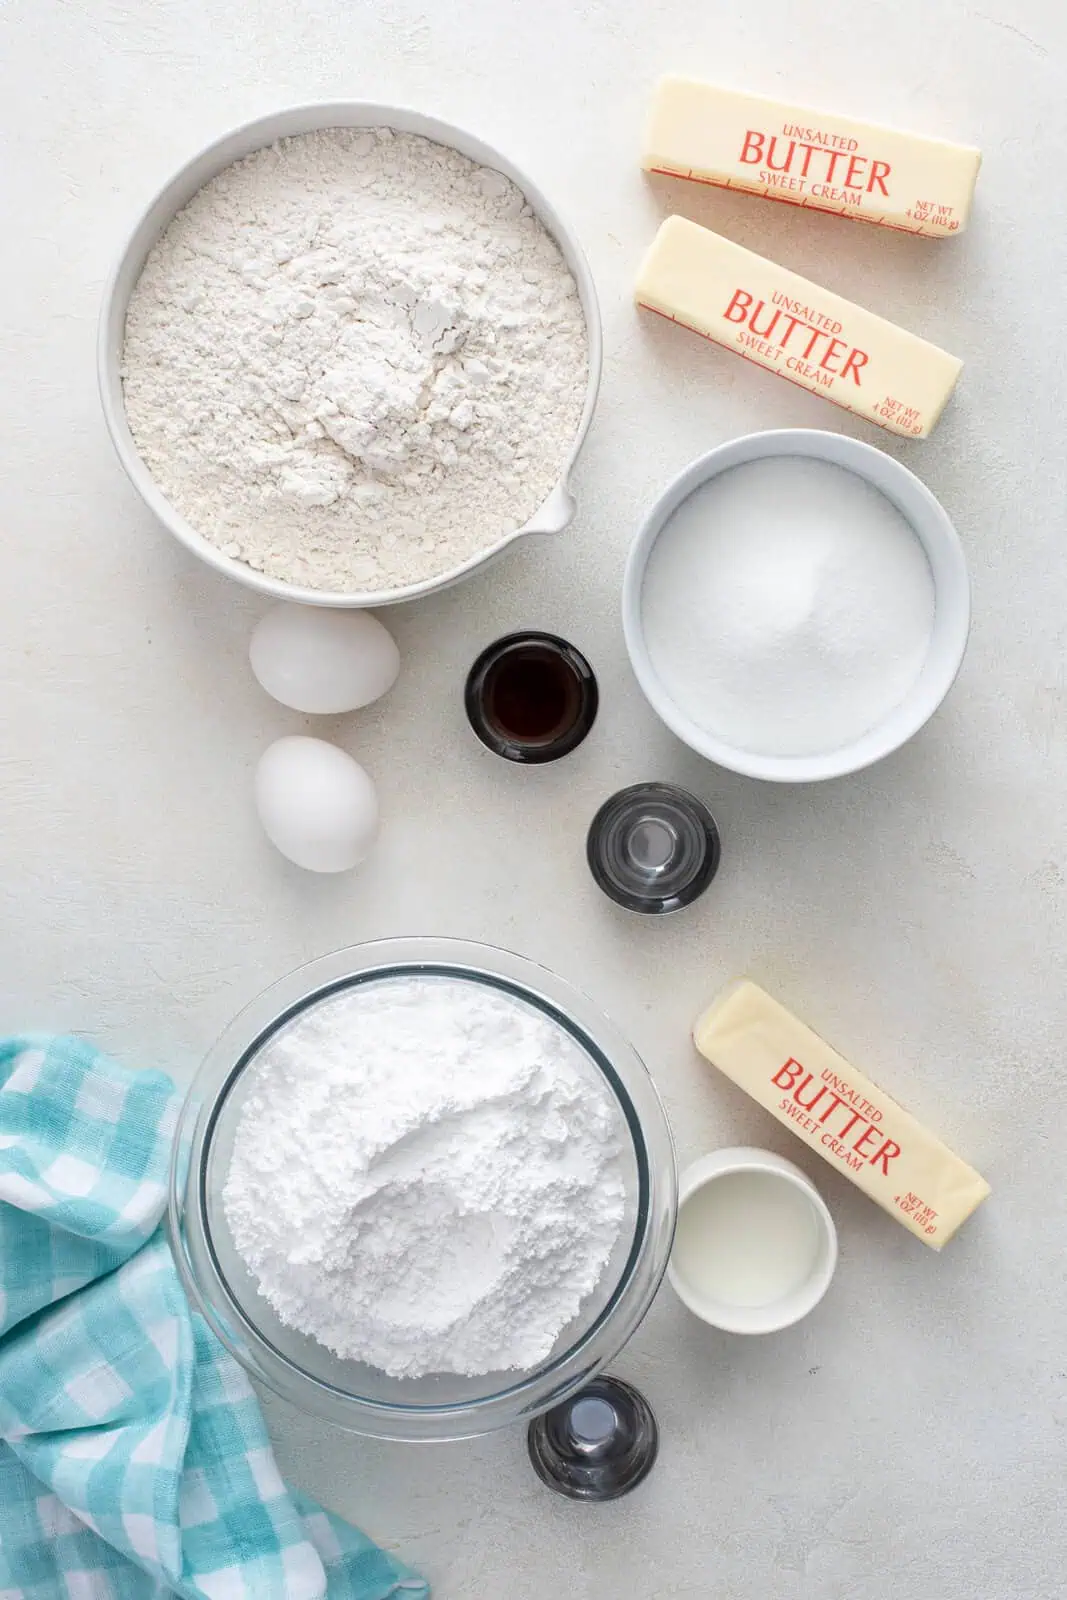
(531, 697)
(653, 848)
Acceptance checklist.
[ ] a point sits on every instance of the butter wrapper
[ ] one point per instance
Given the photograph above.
(816, 159)
(839, 1113)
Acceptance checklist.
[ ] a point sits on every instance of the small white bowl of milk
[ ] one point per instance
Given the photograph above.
(796, 605)
(755, 1247)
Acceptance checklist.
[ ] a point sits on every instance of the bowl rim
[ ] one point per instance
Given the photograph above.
(209, 1290)
(557, 509)
(952, 602)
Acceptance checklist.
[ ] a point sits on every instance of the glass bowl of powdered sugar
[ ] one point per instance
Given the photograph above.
(422, 1188)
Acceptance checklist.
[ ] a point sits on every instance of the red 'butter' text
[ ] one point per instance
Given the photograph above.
(762, 321)
(795, 156)
(851, 1141)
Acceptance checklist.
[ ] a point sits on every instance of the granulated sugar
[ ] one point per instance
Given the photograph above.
(787, 607)
(428, 1176)
(355, 360)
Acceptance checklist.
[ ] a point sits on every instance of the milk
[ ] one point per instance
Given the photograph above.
(747, 1239)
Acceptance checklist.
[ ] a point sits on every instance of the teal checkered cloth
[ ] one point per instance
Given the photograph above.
(134, 1462)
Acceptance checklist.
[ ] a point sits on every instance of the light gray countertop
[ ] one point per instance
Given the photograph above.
(908, 1439)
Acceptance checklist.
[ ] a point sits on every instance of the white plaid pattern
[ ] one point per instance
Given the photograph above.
(225, 1583)
(83, 1586)
(98, 1393)
(27, 1069)
(19, 1191)
(70, 1175)
(197, 1505)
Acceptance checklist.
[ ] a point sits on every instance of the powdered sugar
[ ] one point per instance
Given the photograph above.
(428, 1176)
(355, 359)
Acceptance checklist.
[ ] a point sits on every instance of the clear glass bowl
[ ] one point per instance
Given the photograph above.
(350, 1393)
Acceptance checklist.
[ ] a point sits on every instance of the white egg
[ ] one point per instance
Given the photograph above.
(322, 661)
(317, 805)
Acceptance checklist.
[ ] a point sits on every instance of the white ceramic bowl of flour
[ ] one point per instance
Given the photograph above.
(556, 509)
(887, 611)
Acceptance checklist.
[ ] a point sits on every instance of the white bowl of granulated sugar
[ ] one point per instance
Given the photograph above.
(796, 605)
(349, 355)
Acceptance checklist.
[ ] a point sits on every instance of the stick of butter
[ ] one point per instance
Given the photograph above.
(808, 158)
(791, 326)
(838, 1112)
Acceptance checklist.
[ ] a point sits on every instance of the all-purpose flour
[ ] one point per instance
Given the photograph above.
(355, 359)
(427, 1176)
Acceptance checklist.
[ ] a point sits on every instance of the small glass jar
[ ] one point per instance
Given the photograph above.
(653, 848)
(598, 1445)
(531, 697)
